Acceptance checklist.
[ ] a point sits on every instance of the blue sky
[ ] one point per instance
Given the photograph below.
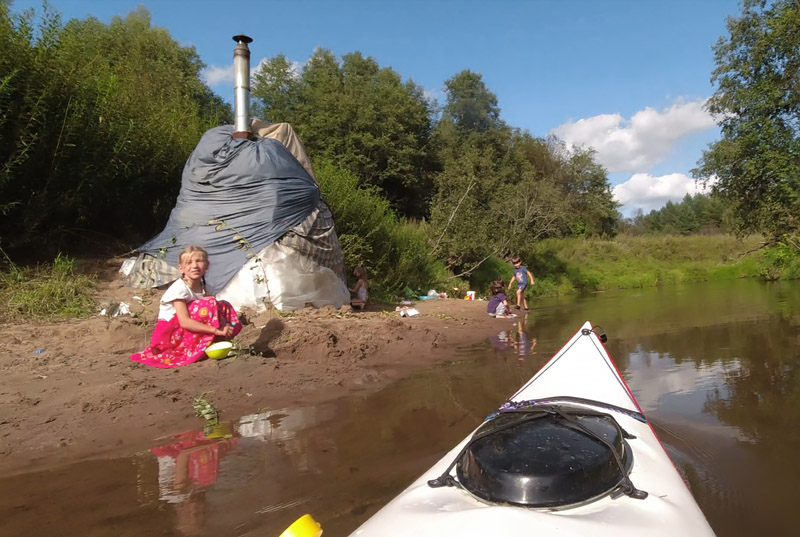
(626, 77)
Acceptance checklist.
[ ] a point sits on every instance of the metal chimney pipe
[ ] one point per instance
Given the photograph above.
(241, 86)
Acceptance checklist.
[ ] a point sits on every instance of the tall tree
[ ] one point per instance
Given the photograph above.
(757, 104)
(96, 124)
(470, 105)
(359, 116)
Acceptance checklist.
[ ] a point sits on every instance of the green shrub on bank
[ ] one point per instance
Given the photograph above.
(779, 262)
(46, 291)
(395, 251)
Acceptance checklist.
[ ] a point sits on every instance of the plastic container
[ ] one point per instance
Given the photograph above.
(470, 295)
(219, 350)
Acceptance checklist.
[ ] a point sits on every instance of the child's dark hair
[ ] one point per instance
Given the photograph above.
(360, 273)
(516, 259)
(497, 286)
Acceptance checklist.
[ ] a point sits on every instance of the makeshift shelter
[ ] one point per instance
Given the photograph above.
(249, 197)
(258, 211)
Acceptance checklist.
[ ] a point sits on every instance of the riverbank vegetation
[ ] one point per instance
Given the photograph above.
(98, 119)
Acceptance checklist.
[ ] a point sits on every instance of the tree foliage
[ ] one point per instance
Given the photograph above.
(501, 188)
(471, 107)
(757, 104)
(360, 117)
(96, 122)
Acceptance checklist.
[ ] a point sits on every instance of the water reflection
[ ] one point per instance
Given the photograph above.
(516, 340)
(187, 467)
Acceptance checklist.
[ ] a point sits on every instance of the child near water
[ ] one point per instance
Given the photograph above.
(189, 317)
(523, 277)
(498, 304)
(360, 288)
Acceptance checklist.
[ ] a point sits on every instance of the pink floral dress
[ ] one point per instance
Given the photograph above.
(173, 346)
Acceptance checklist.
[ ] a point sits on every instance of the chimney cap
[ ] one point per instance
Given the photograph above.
(242, 38)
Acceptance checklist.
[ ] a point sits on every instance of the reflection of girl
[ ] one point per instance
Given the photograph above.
(189, 463)
(186, 468)
(500, 341)
(189, 318)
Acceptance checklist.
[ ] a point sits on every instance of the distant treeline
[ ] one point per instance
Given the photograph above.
(698, 214)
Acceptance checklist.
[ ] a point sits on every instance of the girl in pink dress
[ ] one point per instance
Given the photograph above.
(189, 318)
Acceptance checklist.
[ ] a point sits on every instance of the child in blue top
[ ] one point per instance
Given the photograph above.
(523, 277)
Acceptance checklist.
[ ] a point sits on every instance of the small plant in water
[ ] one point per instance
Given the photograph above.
(204, 409)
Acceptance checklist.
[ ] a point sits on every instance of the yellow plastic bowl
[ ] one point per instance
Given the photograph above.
(305, 526)
(219, 350)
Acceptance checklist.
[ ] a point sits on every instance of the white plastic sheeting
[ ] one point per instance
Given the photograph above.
(285, 278)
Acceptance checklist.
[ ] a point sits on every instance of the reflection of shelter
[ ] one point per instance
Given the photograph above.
(282, 426)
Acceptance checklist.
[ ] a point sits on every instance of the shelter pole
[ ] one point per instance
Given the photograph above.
(241, 87)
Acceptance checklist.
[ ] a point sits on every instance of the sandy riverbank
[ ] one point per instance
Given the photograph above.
(81, 396)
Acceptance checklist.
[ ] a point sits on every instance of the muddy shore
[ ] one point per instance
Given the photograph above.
(69, 391)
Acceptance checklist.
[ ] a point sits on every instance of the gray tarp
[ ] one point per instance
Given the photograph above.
(256, 187)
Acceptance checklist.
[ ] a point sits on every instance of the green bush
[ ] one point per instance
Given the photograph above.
(47, 291)
(395, 251)
(96, 122)
(490, 270)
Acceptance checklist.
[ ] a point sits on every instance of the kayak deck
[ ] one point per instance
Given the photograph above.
(581, 369)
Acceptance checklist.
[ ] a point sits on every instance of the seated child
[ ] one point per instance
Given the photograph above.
(189, 317)
(360, 288)
(498, 304)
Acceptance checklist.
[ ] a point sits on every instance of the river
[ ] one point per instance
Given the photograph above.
(715, 368)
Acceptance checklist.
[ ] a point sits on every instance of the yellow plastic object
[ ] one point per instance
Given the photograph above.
(220, 430)
(219, 350)
(305, 526)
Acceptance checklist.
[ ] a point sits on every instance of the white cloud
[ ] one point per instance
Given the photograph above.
(636, 144)
(643, 191)
(215, 74)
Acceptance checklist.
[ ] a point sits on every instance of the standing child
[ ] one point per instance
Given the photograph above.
(360, 288)
(498, 304)
(523, 277)
(189, 317)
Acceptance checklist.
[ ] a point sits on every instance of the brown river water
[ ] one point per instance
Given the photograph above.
(715, 367)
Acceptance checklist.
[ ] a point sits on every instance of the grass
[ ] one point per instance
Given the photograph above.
(570, 266)
(576, 265)
(50, 291)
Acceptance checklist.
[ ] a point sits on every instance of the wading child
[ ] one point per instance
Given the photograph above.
(189, 317)
(523, 277)
(498, 304)
(360, 288)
